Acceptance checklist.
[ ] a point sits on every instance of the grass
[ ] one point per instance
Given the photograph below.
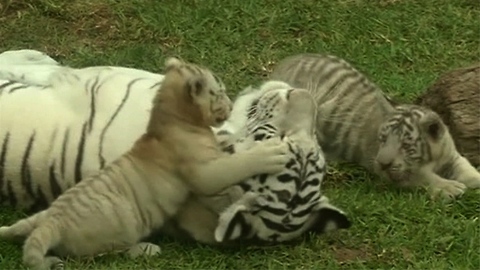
(403, 45)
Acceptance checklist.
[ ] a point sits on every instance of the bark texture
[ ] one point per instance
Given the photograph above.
(455, 96)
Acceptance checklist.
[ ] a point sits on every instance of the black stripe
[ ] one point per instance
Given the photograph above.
(239, 220)
(102, 135)
(2, 165)
(92, 105)
(13, 89)
(12, 198)
(25, 170)
(229, 149)
(304, 212)
(245, 187)
(259, 137)
(156, 85)
(286, 178)
(262, 178)
(297, 200)
(3, 86)
(40, 203)
(314, 182)
(79, 159)
(292, 162)
(54, 186)
(253, 109)
(282, 228)
(273, 210)
(64, 152)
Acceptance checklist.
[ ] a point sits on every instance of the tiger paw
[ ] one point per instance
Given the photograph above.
(54, 263)
(447, 189)
(144, 249)
(270, 156)
(472, 182)
(46, 263)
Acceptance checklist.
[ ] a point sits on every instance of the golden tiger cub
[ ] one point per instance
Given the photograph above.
(134, 195)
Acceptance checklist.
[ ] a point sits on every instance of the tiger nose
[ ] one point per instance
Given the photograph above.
(385, 166)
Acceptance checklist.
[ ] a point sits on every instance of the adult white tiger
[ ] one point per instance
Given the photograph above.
(408, 144)
(64, 126)
(27, 66)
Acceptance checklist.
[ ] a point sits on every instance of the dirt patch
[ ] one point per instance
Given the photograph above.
(365, 252)
(346, 255)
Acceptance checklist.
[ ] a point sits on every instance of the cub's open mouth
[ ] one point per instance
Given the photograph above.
(221, 119)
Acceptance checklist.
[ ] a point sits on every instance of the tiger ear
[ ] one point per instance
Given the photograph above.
(433, 126)
(172, 62)
(329, 218)
(195, 86)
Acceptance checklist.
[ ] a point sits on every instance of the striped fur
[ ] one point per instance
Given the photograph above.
(279, 207)
(58, 130)
(135, 194)
(248, 125)
(351, 113)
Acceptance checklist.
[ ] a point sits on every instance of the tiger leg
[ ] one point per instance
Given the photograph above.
(465, 173)
(21, 229)
(143, 249)
(194, 212)
(231, 220)
(438, 186)
(42, 238)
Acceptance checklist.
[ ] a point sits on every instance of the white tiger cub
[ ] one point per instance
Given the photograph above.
(281, 207)
(267, 207)
(177, 155)
(408, 144)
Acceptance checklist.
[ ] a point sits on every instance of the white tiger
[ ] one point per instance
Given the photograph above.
(280, 207)
(61, 124)
(27, 66)
(407, 144)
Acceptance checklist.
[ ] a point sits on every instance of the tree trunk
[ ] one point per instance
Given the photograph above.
(455, 96)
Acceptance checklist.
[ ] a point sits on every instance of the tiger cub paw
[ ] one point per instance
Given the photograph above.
(472, 182)
(270, 156)
(144, 249)
(447, 189)
(46, 263)
(54, 263)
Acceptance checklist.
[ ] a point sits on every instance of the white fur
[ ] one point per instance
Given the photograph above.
(238, 117)
(62, 102)
(296, 118)
(27, 66)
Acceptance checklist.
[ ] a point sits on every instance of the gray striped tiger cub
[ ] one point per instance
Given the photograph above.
(269, 207)
(408, 144)
(177, 155)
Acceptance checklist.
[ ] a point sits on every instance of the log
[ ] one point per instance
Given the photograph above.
(455, 96)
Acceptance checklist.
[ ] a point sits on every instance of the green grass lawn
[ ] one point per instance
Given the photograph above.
(403, 45)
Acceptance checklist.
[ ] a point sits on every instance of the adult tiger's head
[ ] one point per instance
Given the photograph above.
(411, 138)
(202, 98)
(290, 109)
